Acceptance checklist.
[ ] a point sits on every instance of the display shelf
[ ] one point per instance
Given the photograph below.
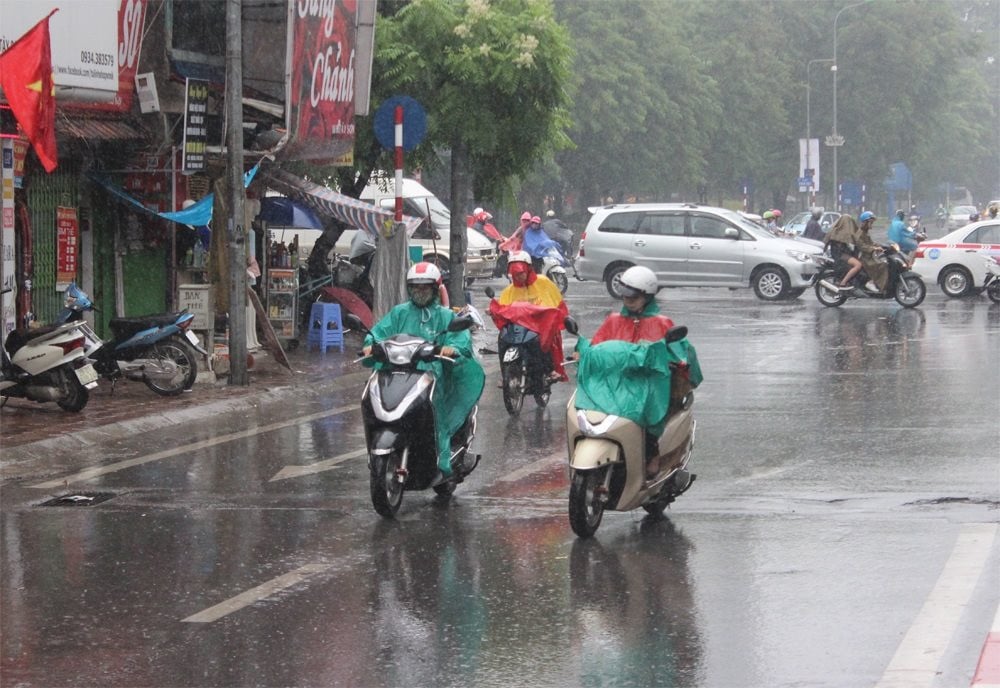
(282, 301)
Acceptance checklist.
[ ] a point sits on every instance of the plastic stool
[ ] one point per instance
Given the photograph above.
(325, 327)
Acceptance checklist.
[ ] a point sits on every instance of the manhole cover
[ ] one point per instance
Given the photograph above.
(79, 499)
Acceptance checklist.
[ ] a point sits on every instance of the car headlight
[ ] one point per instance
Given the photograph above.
(800, 256)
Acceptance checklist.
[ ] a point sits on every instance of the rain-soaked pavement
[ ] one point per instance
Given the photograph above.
(841, 531)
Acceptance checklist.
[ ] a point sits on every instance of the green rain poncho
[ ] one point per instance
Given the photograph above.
(459, 385)
(632, 380)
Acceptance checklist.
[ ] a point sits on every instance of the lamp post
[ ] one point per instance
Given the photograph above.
(835, 141)
(812, 190)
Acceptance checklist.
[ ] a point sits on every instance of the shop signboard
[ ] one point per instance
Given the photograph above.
(195, 127)
(321, 61)
(197, 300)
(67, 246)
(131, 21)
(8, 266)
(84, 43)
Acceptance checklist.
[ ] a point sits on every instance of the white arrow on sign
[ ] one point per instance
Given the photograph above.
(318, 467)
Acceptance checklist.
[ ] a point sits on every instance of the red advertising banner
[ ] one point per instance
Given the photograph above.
(131, 21)
(321, 89)
(67, 246)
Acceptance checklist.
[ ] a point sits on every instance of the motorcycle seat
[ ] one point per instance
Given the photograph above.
(19, 337)
(130, 326)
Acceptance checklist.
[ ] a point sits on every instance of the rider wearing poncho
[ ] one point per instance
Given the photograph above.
(459, 384)
(533, 301)
(625, 367)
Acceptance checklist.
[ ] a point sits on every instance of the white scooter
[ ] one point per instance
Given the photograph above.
(553, 267)
(48, 364)
(608, 465)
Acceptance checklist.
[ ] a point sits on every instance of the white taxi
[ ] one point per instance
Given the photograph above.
(955, 261)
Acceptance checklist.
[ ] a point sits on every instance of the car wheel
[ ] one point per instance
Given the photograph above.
(955, 281)
(613, 277)
(770, 284)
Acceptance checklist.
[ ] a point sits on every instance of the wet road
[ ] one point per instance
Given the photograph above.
(842, 531)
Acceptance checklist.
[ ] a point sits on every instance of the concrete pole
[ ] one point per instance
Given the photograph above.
(236, 232)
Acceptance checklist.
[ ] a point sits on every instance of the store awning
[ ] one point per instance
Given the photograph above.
(351, 211)
(97, 129)
(285, 212)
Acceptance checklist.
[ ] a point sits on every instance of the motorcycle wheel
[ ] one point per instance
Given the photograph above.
(827, 297)
(176, 351)
(386, 490)
(910, 291)
(656, 507)
(585, 507)
(993, 291)
(542, 398)
(512, 374)
(560, 280)
(77, 395)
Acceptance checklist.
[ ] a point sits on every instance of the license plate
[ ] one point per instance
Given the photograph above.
(192, 337)
(510, 355)
(87, 375)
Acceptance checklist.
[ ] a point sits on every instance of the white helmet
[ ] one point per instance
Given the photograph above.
(550, 213)
(519, 257)
(423, 273)
(638, 279)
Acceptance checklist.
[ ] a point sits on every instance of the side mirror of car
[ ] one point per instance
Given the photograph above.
(570, 324)
(675, 334)
(732, 233)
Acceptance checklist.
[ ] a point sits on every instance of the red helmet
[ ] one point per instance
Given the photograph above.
(525, 216)
(535, 219)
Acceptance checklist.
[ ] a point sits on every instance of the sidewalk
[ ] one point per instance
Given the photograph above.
(133, 408)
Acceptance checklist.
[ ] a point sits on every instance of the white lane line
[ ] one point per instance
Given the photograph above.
(531, 468)
(918, 656)
(297, 471)
(97, 471)
(253, 595)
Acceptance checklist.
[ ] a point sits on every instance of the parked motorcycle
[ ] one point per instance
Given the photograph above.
(158, 349)
(399, 420)
(524, 366)
(903, 284)
(608, 463)
(47, 364)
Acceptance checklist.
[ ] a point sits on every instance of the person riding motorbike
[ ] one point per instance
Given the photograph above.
(529, 287)
(460, 383)
(537, 243)
(557, 230)
(640, 322)
(851, 242)
(516, 239)
(903, 235)
(814, 230)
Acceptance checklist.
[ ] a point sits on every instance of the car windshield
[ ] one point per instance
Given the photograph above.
(799, 219)
(745, 224)
(963, 210)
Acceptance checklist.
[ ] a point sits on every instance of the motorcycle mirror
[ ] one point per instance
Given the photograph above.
(675, 334)
(570, 324)
(355, 323)
(489, 292)
(460, 322)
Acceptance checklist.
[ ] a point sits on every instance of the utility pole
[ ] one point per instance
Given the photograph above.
(235, 231)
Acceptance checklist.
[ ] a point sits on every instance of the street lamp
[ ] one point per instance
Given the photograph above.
(835, 141)
(812, 191)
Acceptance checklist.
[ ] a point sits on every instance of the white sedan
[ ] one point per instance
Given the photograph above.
(955, 261)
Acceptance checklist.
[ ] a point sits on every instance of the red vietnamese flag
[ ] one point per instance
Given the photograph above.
(26, 79)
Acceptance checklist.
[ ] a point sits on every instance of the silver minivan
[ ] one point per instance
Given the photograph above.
(690, 245)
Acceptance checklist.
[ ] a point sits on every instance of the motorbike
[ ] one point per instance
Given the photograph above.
(47, 364)
(904, 285)
(399, 420)
(608, 463)
(523, 365)
(991, 285)
(158, 350)
(553, 264)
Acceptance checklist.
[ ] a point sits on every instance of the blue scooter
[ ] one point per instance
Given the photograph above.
(158, 349)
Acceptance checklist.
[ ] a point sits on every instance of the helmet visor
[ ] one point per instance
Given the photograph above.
(628, 292)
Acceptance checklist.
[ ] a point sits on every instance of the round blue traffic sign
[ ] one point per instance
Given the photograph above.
(414, 122)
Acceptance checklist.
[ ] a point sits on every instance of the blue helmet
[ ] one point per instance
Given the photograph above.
(865, 216)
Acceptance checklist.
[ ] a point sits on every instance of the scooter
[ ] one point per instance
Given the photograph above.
(904, 285)
(398, 417)
(158, 349)
(553, 266)
(608, 463)
(47, 364)
(991, 285)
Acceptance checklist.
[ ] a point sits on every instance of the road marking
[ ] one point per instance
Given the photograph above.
(988, 670)
(253, 595)
(97, 471)
(918, 656)
(297, 471)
